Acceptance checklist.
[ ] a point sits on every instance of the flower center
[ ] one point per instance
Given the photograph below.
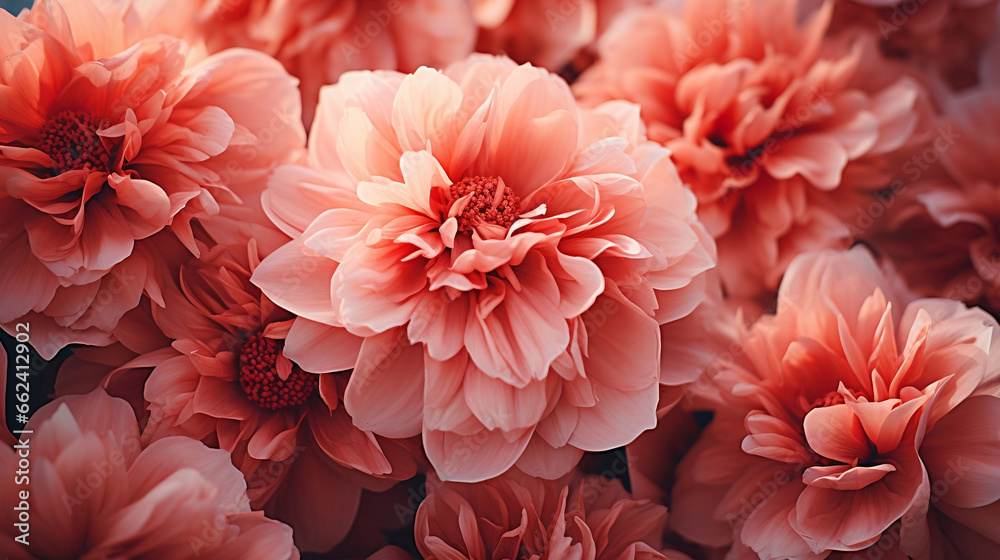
(261, 382)
(830, 399)
(491, 202)
(71, 140)
(834, 398)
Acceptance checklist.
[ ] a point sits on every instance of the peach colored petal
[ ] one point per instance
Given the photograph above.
(478, 456)
(387, 361)
(308, 342)
(959, 452)
(162, 496)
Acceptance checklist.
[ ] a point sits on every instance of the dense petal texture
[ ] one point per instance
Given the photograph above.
(953, 205)
(548, 33)
(940, 41)
(248, 377)
(96, 492)
(494, 246)
(516, 516)
(318, 41)
(837, 422)
(107, 138)
(767, 120)
(540, 270)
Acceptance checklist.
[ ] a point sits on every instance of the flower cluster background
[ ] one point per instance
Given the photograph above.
(500, 279)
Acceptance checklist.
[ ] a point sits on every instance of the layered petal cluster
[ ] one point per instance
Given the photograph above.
(549, 33)
(957, 201)
(763, 118)
(250, 378)
(113, 367)
(516, 516)
(110, 145)
(96, 492)
(507, 257)
(853, 418)
(939, 41)
(318, 41)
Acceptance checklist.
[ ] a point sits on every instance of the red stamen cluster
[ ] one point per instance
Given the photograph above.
(832, 398)
(71, 140)
(260, 381)
(491, 202)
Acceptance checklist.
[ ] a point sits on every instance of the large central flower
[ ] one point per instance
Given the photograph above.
(493, 245)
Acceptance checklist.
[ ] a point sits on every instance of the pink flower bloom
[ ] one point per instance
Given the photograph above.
(107, 139)
(318, 41)
(494, 245)
(96, 492)
(941, 41)
(852, 418)
(516, 516)
(123, 367)
(763, 119)
(691, 343)
(547, 33)
(250, 378)
(956, 215)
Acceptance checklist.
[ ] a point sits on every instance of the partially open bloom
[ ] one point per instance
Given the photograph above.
(96, 492)
(318, 41)
(852, 418)
(250, 378)
(107, 139)
(507, 257)
(516, 516)
(763, 119)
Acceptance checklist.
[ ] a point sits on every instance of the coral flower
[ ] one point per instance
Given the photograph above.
(851, 418)
(957, 214)
(106, 139)
(318, 41)
(516, 516)
(507, 257)
(95, 492)
(547, 33)
(940, 41)
(248, 377)
(763, 118)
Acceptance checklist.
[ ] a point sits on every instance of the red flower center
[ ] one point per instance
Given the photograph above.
(71, 140)
(830, 399)
(491, 202)
(261, 382)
